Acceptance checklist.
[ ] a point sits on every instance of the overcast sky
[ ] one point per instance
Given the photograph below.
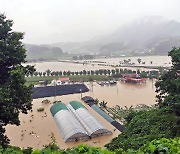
(50, 21)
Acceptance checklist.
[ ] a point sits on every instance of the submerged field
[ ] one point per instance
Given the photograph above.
(36, 127)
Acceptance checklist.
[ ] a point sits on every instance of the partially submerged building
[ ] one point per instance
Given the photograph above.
(90, 123)
(91, 102)
(69, 127)
(76, 123)
(60, 81)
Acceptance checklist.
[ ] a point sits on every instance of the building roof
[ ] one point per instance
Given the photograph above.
(87, 99)
(76, 105)
(63, 79)
(129, 75)
(118, 126)
(57, 107)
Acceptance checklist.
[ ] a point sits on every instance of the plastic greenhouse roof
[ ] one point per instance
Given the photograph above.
(102, 113)
(57, 107)
(76, 105)
(69, 126)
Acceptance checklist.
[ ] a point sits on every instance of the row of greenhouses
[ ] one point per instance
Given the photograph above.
(76, 123)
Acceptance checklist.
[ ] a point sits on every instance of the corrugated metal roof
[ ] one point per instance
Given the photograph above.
(76, 105)
(57, 107)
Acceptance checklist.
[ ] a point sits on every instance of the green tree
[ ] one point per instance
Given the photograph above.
(52, 73)
(100, 71)
(64, 73)
(48, 72)
(103, 104)
(72, 73)
(36, 73)
(144, 126)
(97, 72)
(105, 72)
(68, 73)
(117, 71)
(56, 73)
(92, 72)
(40, 73)
(60, 73)
(15, 96)
(84, 72)
(76, 73)
(139, 60)
(81, 72)
(168, 86)
(89, 72)
(44, 73)
(113, 72)
(109, 72)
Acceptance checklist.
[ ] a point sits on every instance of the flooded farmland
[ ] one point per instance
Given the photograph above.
(36, 127)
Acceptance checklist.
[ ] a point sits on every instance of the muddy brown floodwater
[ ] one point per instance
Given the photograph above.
(36, 127)
(96, 63)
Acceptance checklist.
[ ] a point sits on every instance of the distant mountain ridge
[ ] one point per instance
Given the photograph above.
(151, 33)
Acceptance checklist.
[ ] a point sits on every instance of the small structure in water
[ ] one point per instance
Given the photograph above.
(107, 83)
(60, 81)
(132, 78)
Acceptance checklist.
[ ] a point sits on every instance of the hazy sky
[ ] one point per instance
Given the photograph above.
(49, 21)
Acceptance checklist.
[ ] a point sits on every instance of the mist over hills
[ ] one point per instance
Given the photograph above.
(152, 34)
(43, 52)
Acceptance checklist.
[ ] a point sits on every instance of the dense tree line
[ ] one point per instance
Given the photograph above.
(110, 72)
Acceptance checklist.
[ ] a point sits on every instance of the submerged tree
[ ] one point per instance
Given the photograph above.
(15, 96)
(139, 60)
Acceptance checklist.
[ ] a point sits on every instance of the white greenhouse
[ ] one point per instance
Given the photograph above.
(68, 125)
(75, 122)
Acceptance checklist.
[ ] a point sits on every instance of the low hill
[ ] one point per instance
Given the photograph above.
(43, 52)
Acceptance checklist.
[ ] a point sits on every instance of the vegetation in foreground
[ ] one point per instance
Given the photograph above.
(161, 146)
(162, 121)
(145, 126)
